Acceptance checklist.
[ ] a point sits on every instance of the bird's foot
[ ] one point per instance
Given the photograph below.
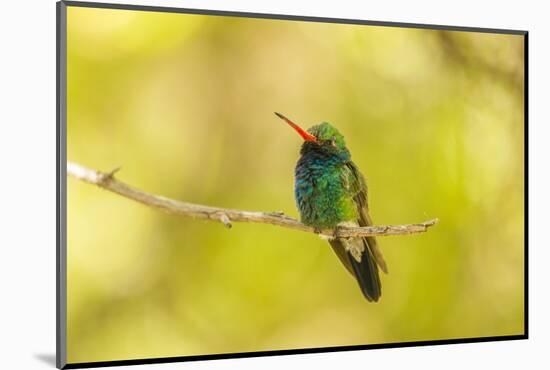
(336, 231)
(341, 226)
(322, 235)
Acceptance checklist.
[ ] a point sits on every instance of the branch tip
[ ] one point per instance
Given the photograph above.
(225, 220)
(111, 174)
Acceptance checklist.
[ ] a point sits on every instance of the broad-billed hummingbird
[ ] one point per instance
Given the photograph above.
(331, 192)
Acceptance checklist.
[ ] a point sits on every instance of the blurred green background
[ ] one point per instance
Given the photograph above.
(184, 103)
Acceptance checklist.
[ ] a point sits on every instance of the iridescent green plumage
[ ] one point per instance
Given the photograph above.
(330, 191)
(323, 184)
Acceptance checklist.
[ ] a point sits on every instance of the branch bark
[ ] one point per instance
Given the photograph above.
(107, 181)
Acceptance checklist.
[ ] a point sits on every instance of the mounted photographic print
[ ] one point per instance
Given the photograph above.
(235, 184)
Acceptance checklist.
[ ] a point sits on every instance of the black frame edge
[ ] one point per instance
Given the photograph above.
(162, 360)
(526, 183)
(227, 13)
(61, 185)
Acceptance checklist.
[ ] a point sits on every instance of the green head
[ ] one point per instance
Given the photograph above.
(323, 138)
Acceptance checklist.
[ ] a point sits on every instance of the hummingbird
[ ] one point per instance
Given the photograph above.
(331, 192)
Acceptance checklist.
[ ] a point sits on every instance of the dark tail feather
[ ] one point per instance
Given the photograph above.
(366, 273)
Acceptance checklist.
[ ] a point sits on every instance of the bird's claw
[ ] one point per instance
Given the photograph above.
(336, 231)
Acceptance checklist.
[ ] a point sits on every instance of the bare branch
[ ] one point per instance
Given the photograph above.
(226, 216)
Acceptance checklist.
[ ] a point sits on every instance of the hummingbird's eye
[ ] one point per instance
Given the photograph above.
(333, 142)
